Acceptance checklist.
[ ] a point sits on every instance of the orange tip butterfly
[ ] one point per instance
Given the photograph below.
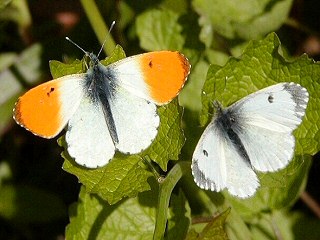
(107, 108)
(254, 133)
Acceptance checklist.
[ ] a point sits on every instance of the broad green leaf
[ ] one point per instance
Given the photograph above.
(179, 217)
(247, 19)
(214, 229)
(170, 139)
(122, 177)
(125, 176)
(93, 218)
(27, 204)
(262, 65)
(159, 30)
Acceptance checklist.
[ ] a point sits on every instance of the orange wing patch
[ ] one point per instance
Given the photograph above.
(165, 73)
(39, 110)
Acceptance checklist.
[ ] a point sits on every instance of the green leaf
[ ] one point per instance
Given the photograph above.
(122, 177)
(179, 217)
(159, 30)
(170, 139)
(262, 65)
(214, 229)
(93, 218)
(247, 19)
(27, 204)
(59, 69)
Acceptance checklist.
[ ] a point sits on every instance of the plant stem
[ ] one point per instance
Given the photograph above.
(311, 203)
(165, 190)
(98, 25)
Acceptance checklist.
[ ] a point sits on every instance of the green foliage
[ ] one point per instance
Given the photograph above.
(213, 230)
(93, 218)
(233, 51)
(247, 19)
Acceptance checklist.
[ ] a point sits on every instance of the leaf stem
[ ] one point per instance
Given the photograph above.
(311, 203)
(301, 27)
(165, 190)
(98, 25)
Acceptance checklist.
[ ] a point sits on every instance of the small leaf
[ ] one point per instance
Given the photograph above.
(93, 218)
(247, 19)
(159, 30)
(59, 69)
(214, 229)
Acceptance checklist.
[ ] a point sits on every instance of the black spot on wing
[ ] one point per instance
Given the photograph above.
(270, 98)
(205, 152)
(50, 91)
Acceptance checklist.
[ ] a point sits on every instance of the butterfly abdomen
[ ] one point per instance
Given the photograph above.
(229, 123)
(100, 88)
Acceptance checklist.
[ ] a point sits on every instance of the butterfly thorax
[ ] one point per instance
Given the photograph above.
(229, 124)
(99, 86)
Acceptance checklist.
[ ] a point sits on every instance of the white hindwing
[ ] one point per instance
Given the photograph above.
(135, 119)
(88, 138)
(217, 165)
(268, 118)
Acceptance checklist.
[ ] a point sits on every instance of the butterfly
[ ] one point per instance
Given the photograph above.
(108, 108)
(255, 133)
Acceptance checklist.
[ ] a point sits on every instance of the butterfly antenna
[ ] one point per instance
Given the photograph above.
(105, 40)
(85, 52)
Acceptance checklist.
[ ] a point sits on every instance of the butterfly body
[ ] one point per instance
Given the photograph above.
(255, 133)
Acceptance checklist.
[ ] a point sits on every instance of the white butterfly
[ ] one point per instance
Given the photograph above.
(254, 133)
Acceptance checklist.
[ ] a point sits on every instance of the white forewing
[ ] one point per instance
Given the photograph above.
(130, 77)
(71, 90)
(268, 118)
(88, 138)
(217, 165)
(136, 121)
